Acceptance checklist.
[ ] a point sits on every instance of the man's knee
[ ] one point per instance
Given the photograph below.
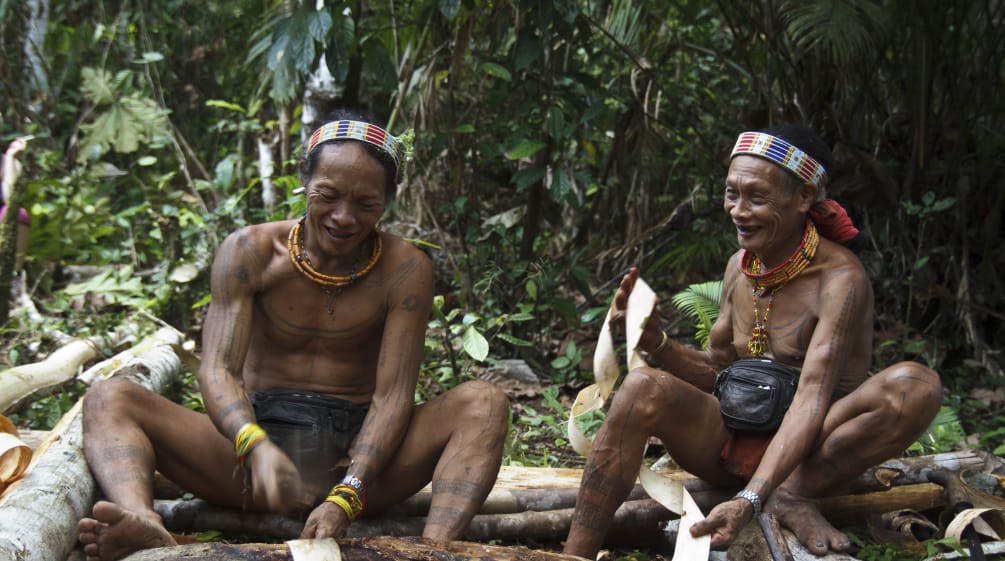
(645, 393)
(913, 392)
(484, 400)
(114, 396)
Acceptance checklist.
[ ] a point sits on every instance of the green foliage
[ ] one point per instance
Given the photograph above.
(115, 286)
(532, 427)
(944, 434)
(870, 550)
(700, 302)
(846, 30)
(45, 412)
(126, 119)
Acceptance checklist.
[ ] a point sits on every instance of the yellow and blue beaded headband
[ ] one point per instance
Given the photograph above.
(358, 130)
(783, 153)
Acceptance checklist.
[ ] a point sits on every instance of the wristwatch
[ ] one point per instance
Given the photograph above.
(753, 498)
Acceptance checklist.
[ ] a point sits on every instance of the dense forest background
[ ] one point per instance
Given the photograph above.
(555, 143)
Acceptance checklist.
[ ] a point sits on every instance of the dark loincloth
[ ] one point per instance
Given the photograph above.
(314, 429)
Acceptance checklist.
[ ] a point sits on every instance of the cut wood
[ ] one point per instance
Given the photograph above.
(360, 549)
(39, 513)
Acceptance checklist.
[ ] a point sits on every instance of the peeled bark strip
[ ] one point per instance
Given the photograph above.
(21, 382)
(360, 549)
(39, 513)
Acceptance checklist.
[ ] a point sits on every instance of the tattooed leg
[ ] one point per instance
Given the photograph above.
(874, 423)
(122, 460)
(467, 468)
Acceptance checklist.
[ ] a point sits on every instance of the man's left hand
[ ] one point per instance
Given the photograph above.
(326, 521)
(724, 522)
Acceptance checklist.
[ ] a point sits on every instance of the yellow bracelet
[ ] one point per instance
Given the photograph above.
(347, 499)
(247, 438)
(662, 344)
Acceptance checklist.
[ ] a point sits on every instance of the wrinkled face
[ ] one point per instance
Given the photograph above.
(345, 198)
(768, 212)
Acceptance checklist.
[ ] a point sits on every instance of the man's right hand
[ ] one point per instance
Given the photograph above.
(275, 479)
(652, 334)
(326, 521)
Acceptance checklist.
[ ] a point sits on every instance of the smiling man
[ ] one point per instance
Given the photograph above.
(310, 358)
(781, 406)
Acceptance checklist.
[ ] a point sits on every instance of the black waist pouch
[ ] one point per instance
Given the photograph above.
(755, 393)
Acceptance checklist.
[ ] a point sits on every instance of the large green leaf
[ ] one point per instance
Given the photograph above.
(475, 344)
(124, 121)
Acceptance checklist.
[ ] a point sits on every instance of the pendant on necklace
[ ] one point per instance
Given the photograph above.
(332, 293)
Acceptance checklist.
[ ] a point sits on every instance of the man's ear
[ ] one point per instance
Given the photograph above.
(807, 196)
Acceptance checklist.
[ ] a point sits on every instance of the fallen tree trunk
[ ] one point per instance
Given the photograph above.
(360, 549)
(39, 513)
(635, 522)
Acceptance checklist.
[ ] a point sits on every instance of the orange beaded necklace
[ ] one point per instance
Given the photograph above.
(332, 285)
(774, 280)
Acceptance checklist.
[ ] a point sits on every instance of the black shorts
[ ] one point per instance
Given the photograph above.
(314, 429)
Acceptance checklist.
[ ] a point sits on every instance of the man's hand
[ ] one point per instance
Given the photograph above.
(724, 522)
(275, 479)
(326, 521)
(652, 334)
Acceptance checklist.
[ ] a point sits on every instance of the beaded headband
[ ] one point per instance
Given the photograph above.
(782, 153)
(358, 130)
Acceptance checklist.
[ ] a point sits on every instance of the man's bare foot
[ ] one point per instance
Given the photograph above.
(115, 532)
(803, 518)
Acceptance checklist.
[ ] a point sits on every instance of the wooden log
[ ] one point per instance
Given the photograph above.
(21, 382)
(773, 536)
(359, 549)
(848, 510)
(901, 471)
(39, 513)
(635, 522)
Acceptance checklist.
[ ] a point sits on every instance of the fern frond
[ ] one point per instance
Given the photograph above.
(700, 302)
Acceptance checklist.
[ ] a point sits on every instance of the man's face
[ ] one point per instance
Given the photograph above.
(345, 197)
(768, 213)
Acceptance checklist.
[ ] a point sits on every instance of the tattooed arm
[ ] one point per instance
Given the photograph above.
(236, 277)
(409, 301)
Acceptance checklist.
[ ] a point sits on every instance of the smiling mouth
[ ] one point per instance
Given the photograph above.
(338, 235)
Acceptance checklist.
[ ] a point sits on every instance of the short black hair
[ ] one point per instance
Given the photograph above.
(310, 159)
(807, 140)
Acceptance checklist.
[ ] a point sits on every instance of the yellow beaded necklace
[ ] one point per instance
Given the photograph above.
(332, 285)
(774, 280)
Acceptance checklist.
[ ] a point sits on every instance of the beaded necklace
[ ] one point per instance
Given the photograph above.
(332, 285)
(774, 280)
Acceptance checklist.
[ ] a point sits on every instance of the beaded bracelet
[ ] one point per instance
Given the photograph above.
(347, 498)
(357, 484)
(247, 438)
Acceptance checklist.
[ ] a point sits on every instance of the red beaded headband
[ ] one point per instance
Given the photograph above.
(782, 153)
(358, 130)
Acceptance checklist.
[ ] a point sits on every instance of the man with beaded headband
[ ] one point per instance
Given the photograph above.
(794, 294)
(310, 359)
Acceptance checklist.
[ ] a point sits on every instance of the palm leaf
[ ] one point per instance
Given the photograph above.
(700, 302)
(844, 30)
